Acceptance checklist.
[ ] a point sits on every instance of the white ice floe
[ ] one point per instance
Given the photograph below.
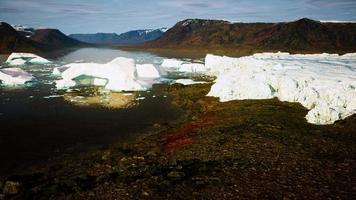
(192, 68)
(188, 82)
(147, 71)
(182, 66)
(58, 70)
(173, 64)
(323, 83)
(14, 76)
(119, 74)
(25, 58)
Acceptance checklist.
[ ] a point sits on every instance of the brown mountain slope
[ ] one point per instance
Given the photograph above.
(303, 35)
(11, 40)
(55, 39)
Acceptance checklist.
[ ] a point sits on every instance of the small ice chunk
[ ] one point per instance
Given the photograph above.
(188, 82)
(25, 58)
(53, 96)
(14, 76)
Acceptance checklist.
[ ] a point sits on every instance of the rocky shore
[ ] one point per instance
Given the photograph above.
(252, 149)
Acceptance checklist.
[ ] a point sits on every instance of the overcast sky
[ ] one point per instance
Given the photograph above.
(91, 16)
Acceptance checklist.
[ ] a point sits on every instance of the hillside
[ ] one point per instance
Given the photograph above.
(30, 40)
(55, 39)
(11, 40)
(303, 35)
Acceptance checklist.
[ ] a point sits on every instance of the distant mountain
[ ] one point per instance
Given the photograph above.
(24, 30)
(12, 40)
(304, 35)
(26, 39)
(128, 38)
(55, 39)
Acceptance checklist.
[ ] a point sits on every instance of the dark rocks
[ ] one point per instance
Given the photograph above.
(11, 188)
(175, 175)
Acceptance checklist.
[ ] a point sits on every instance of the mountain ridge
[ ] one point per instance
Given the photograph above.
(127, 38)
(33, 40)
(303, 35)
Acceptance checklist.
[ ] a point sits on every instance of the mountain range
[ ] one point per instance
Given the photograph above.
(300, 36)
(128, 38)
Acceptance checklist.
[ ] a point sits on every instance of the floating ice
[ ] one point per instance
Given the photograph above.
(119, 74)
(192, 68)
(183, 66)
(172, 64)
(14, 76)
(188, 82)
(25, 58)
(147, 71)
(58, 70)
(323, 83)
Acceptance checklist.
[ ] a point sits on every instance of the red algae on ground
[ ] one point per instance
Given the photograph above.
(180, 137)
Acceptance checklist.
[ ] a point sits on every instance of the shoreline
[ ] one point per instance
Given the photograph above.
(264, 154)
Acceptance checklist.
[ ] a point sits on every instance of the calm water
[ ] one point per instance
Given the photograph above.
(37, 122)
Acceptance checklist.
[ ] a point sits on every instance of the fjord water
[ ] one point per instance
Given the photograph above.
(38, 123)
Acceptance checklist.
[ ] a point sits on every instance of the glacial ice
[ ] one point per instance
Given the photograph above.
(323, 83)
(147, 71)
(58, 70)
(173, 64)
(25, 58)
(192, 68)
(14, 76)
(176, 65)
(119, 74)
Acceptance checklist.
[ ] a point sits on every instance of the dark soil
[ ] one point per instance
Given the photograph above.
(255, 149)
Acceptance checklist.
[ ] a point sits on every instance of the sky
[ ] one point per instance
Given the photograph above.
(92, 16)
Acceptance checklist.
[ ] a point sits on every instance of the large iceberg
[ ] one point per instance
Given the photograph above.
(147, 71)
(14, 76)
(172, 64)
(323, 83)
(192, 68)
(119, 74)
(25, 58)
(176, 65)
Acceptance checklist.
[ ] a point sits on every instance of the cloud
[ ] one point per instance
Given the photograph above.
(48, 6)
(8, 10)
(122, 15)
(197, 4)
(349, 4)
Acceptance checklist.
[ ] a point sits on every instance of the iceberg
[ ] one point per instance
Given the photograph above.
(172, 64)
(57, 71)
(147, 71)
(14, 76)
(323, 83)
(192, 68)
(25, 58)
(119, 74)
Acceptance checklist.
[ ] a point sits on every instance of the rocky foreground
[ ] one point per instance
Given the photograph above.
(253, 149)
